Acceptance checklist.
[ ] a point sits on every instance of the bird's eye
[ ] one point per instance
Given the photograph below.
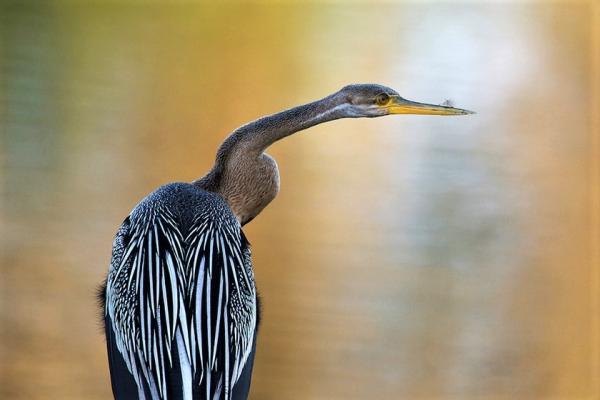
(382, 99)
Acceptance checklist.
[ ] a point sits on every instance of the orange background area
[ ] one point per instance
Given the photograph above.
(406, 257)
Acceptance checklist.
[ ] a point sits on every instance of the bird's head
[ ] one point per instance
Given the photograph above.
(370, 100)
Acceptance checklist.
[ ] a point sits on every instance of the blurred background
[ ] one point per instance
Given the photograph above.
(405, 257)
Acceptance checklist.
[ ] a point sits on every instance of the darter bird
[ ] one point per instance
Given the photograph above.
(179, 303)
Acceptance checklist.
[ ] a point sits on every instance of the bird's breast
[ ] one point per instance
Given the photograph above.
(250, 185)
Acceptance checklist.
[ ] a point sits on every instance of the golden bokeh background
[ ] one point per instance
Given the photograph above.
(405, 258)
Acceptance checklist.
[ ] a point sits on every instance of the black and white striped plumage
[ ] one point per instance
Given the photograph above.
(181, 305)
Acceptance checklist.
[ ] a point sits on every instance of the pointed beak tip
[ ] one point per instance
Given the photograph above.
(458, 111)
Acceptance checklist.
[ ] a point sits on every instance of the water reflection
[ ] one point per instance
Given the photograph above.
(404, 258)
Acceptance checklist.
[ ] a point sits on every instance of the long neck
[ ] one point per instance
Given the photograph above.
(254, 137)
(247, 178)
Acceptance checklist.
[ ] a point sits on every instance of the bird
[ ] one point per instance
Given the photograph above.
(179, 303)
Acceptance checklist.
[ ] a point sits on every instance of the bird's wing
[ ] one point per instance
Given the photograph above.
(182, 307)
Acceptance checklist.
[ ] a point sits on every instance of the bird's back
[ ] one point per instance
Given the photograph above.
(180, 300)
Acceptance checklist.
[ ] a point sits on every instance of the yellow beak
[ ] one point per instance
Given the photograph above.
(398, 105)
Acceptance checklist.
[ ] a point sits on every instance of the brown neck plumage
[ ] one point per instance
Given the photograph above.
(243, 173)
